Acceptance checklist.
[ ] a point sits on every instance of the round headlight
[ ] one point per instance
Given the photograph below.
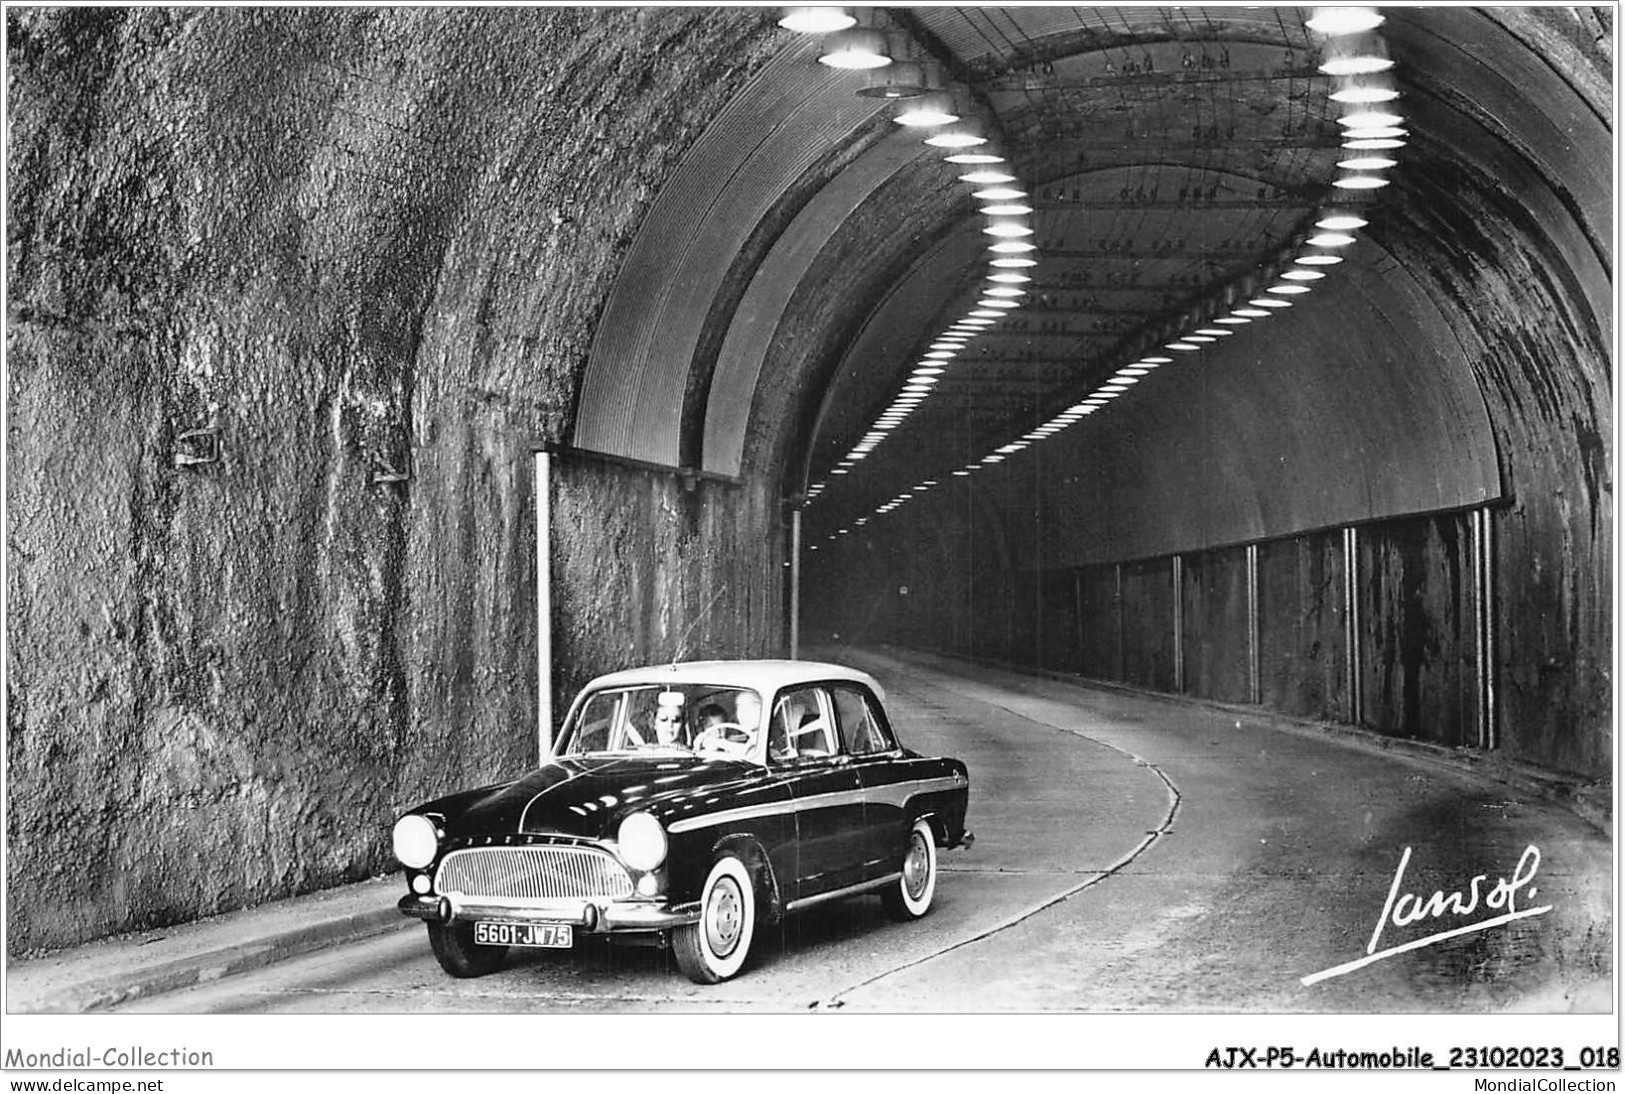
(415, 841)
(642, 842)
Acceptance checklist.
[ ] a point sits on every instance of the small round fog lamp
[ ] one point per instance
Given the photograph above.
(415, 841)
(642, 841)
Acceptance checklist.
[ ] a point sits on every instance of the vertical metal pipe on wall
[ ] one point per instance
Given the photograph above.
(544, 602)
(1077, 613)
(1117, 601)
(1484, 625)
(1351, 621)
(795, 582)
(1255, 684)
(1179, 623)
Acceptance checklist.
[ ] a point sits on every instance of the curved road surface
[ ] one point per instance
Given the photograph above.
(1132, 854)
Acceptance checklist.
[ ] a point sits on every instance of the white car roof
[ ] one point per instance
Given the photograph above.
(765, 677)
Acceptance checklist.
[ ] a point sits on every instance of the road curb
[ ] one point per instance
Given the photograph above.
(203, 967)
(1591, 801)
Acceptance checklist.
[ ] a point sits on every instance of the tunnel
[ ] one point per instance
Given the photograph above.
(378, 376)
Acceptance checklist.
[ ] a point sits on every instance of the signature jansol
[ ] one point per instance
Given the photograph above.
(1403, 909)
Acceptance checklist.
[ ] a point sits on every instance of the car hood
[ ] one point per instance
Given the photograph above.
(585, 796)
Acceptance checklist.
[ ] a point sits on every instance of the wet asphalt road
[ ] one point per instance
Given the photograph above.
(1132, 855)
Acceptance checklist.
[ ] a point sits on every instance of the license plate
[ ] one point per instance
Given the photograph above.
(552, 936)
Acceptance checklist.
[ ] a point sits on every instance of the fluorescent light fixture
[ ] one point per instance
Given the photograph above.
(1005, 291)
(1199, 338)
(1330, 239)
(1335, 21)
(1318, 260)
(1360, 182)
(1009, 278)
(855, 48)
(929, 110)
(1234, 320)
(1342, 222)
(1364, 93)
(981, 156)
(1133, 371)
(1302, 275)
(1013, 247)
(941, 355)
(1010, 262)
(1359, 64)
(1374, 145)
(1370, 119)
(1003, 228)
(999, 193)
(989, 178)
(1155, 361)
(1288, 290)
(983, 313)
(1258, 313)
(1373, 132)
(957, 137)
(1011, 210)
(1219, 331)
(816, 20)
(1184, 347)
(1268, 302)
(1368, 163)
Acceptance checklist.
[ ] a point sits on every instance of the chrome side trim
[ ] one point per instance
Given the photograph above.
(745, 812)
(899, 793)
(893, 794)
(836, 894)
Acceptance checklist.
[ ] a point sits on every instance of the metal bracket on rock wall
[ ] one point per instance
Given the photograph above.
(383, 473)
(197, 447)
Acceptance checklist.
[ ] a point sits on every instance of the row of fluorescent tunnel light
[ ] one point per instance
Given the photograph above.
(965, 135)
(1355, 57)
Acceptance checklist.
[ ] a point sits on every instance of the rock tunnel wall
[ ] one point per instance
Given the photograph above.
(368, 247)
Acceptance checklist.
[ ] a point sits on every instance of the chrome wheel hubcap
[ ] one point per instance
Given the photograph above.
(917, 867)
(724, 917)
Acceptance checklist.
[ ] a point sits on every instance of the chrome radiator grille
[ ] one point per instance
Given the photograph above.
(533, 873)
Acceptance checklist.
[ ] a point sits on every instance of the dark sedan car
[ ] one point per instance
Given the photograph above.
(690, 801)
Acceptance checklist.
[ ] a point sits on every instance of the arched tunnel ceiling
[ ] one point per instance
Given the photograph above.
(1169, 152)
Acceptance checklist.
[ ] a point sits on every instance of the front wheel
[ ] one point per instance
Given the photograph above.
(454, 947)
(911, 897)
(715, 948)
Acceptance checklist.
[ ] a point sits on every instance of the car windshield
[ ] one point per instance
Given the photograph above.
(682, 718)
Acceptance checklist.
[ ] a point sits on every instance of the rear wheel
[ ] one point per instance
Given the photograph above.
(911, 897)
(454, 947)
(715, 948)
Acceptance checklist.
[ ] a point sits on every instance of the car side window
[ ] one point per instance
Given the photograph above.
(861, 730)
(800, 727)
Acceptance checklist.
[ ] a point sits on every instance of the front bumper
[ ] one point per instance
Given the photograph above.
(605, 917)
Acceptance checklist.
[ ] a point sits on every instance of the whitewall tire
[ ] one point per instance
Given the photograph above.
(910, 897)
(715, 948)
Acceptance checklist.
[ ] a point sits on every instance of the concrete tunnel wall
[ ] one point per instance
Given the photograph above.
(357, 242)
